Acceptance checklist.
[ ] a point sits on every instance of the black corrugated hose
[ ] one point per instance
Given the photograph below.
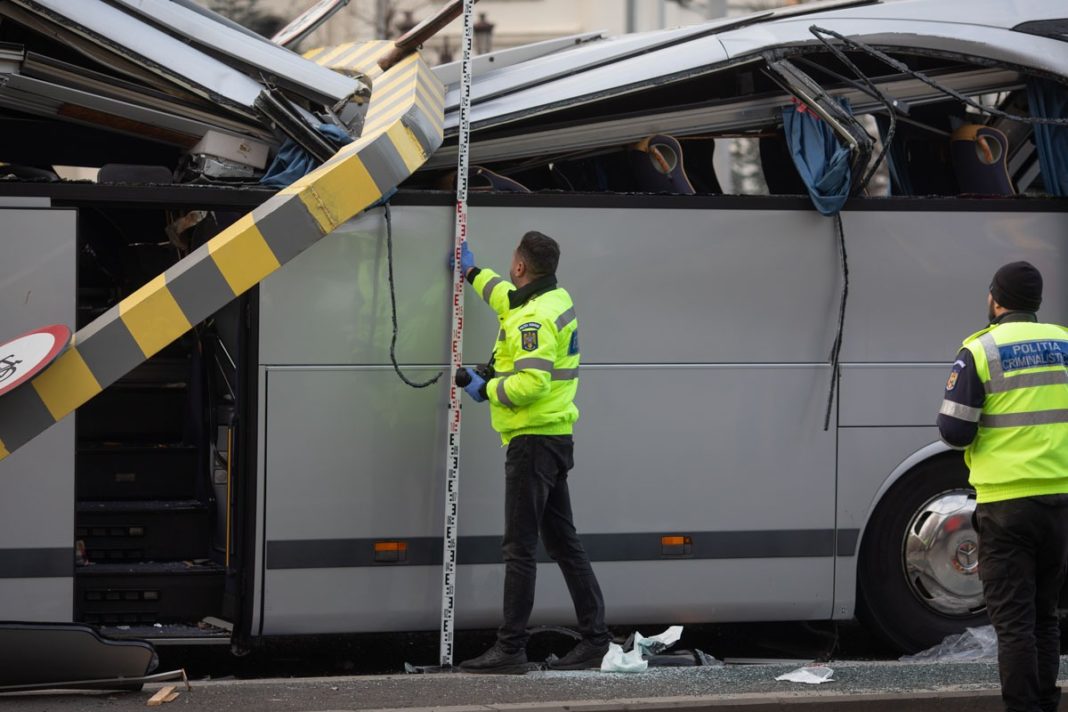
(836, 348)
(393, 306)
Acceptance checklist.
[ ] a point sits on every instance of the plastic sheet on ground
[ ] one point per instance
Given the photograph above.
(972, 644)
(812, 675)
(615, 660)
(640, 653)
(637, 658)
(658, 643)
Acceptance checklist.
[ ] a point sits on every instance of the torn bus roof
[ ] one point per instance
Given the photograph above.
(169, 73)
(603, 70)
(254, 54)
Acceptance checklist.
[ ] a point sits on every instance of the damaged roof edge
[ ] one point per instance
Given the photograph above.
(982, 42)
(307, 78)
(741, 114)
(449, 73)
(40, 98)
(663, 64)
(615, 49)
(133, 39)
(585, 59)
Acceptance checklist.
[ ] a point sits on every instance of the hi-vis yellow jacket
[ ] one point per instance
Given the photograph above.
(536, 358)
(1021, 449)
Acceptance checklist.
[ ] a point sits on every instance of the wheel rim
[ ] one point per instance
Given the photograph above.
(941, 555)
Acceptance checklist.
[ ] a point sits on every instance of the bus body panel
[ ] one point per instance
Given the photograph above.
(676, 410)
(867, 458)
(37, 482)
(704, 336)
(891, 395)
(368, 599)
(919, 280)
(646, 282)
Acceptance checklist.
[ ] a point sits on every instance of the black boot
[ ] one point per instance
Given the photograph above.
(497, 660)
(582, 656)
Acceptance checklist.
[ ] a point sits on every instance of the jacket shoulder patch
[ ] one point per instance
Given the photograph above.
(954, 375)
(529, 335)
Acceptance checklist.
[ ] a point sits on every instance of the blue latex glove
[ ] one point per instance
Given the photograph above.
(468, 379)
(467, 260)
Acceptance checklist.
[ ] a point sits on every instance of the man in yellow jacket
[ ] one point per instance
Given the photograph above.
(531, 386)
(1006, 406)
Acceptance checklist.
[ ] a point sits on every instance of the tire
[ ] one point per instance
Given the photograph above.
(918, 572)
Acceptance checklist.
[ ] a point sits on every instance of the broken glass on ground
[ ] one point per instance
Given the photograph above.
(971, 645)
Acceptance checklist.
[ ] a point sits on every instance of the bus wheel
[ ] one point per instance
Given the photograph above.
(918, 571)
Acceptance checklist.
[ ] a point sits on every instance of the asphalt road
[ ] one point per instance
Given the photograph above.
(856, 685)
(387, 654)
(331, 674)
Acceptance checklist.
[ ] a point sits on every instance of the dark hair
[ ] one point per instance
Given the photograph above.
(540, 252)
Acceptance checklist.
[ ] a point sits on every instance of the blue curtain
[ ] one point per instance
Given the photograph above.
(896, 160)
(821, 160)
(292, 162)
(1050, 100)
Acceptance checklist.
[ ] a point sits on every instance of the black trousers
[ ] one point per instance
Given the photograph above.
(1023, 553)
(536, 499)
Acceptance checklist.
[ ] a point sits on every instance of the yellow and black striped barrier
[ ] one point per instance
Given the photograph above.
(402, 128)
(353, 58)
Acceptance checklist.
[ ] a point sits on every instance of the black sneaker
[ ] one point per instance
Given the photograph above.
(498, 661)
(582, 656)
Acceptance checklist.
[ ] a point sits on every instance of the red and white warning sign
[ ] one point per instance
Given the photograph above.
(23, 358)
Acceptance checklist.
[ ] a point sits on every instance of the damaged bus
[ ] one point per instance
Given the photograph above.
(759, 381)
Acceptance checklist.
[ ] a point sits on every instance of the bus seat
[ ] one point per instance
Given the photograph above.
(29, 173)
(658, 166)
(495, 182)
(979, 156)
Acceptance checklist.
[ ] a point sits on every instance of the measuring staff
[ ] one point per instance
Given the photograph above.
(531, 385)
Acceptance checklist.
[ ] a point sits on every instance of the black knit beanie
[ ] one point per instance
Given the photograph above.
(1017, 286)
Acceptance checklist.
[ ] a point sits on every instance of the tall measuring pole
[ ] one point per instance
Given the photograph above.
(452, 454)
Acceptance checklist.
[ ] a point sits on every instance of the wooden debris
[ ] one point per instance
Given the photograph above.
(165, 694)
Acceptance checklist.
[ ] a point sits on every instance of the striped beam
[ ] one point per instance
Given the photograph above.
(353, 58)
(403, 127)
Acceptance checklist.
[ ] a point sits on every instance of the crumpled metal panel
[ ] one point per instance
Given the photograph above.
(155, 50)
(607, 68)
(37, 653)
(614, 78)
(291, 69)
(1000, 44)
(582, 60)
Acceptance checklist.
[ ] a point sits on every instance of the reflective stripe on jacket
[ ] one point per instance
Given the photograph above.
(1021, 447)
(536, 360)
